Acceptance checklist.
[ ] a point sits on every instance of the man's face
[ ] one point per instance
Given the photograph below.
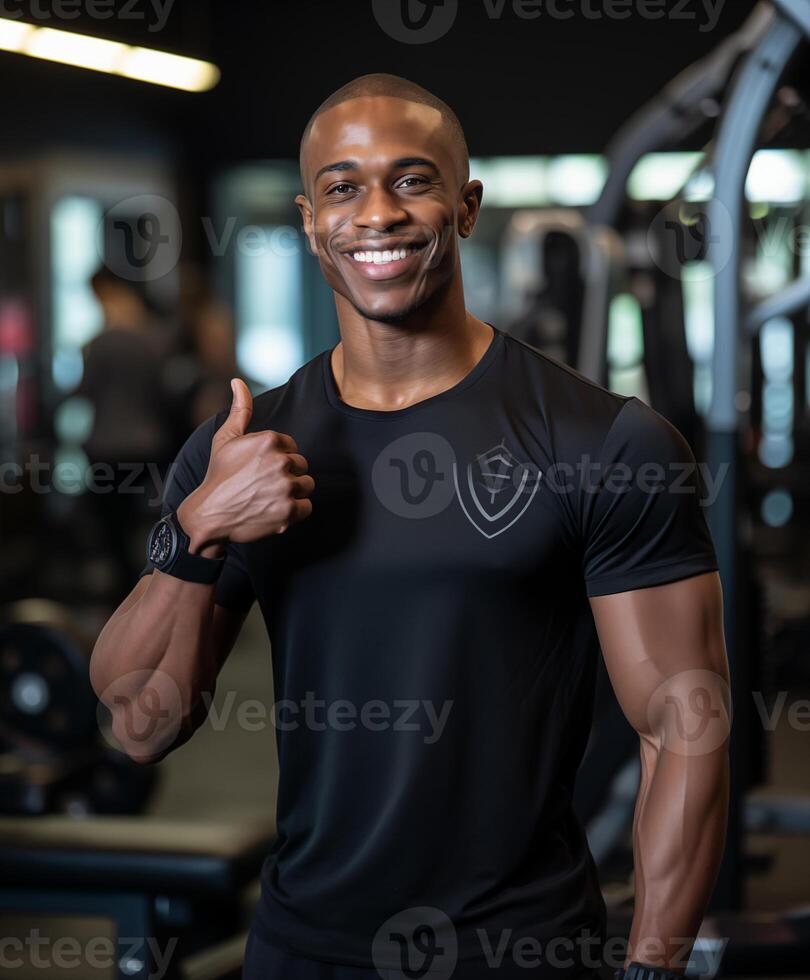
(385, 203)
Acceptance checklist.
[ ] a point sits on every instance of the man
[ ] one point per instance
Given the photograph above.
(132, 418)
(436, 520)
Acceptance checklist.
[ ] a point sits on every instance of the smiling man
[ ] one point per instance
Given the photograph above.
(437, 519)
(387, 266)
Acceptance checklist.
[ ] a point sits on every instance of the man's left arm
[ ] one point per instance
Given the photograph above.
(665, 653)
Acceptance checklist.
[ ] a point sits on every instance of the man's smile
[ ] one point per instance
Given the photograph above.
(383, 263)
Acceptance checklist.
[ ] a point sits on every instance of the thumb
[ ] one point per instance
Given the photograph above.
(240, 414)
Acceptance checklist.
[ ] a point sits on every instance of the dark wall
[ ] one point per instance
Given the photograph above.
(519, 86)
(541, 85)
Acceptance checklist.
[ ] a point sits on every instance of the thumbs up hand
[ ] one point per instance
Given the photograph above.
(239, 416)
(257, 484)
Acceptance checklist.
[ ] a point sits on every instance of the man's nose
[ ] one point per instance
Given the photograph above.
(379, 209)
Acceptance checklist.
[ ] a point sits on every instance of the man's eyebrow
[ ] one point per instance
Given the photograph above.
(415, 162)
(343, 165)
(336, 167)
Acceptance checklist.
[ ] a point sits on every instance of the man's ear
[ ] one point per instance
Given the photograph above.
(471, 196)
(305, 208)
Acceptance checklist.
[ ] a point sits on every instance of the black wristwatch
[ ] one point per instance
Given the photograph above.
(638, 971)
(167, 550)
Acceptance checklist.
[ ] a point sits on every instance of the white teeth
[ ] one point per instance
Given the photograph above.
(381, 258)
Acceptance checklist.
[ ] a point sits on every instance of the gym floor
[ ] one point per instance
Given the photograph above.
(228, 771)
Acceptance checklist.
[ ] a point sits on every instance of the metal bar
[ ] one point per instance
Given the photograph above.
(659, 124)
(746, 107)
(789, 301)
(796, 10)
(674, 114)
(735, 146)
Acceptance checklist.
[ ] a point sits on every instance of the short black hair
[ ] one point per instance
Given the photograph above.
(395, 87)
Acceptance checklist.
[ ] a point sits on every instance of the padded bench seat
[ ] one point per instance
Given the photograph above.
(208, 859)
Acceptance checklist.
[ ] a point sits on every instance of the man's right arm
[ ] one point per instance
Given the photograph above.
(156, 661)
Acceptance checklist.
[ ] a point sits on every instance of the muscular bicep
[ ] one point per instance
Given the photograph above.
(665, 654)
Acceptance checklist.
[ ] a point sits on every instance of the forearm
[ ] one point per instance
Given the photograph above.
(153, 661)
(678, 838)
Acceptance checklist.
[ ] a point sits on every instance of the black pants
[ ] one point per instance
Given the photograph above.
(264, 961)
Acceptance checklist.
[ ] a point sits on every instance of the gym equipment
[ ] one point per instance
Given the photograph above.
(744, 73)
(45, 691)
(785, 22)
(667, 363)
(567, 306)
(56, 751)
(168, 897)
(766, 47)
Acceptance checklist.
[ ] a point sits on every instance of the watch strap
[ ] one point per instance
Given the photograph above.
(188, 567)
(640, 971)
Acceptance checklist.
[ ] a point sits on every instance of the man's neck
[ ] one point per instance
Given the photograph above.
(387, 367)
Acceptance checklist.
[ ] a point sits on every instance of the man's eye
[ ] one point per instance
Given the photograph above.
(412, 181)
(340, 189)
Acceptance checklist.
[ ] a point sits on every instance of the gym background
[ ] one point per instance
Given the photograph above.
(150, 250)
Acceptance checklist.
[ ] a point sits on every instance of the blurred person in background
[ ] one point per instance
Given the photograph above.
(131, 435)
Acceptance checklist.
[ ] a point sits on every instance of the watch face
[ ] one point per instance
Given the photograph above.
(163, 544)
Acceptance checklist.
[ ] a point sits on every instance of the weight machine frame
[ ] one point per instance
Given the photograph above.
(748, 66)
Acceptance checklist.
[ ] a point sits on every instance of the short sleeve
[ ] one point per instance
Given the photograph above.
(234, 587)
(642, 507)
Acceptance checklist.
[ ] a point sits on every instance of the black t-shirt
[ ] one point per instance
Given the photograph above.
(434, 651)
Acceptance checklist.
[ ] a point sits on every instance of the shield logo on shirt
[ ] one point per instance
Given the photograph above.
(496, 489)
